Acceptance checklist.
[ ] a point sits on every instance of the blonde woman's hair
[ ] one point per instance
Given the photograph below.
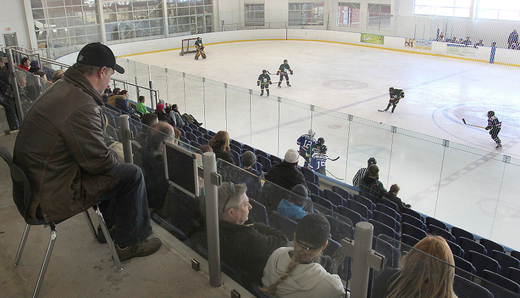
(421, 275)
(220, 140)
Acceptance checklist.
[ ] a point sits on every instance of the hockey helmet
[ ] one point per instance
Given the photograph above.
(491, 113)
(311, 132)
(199, 38)
(323, 149)
(391, 89)
(320, 141)
(265, 70)
(284, 60)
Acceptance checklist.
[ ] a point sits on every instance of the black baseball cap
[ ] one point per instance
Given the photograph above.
(97, 54)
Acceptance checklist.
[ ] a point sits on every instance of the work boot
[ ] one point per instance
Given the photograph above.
(143, 249)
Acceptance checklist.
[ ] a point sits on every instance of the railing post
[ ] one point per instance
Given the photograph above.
(127, 136)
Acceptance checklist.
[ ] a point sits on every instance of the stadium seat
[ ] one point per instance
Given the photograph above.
(334, 198)
(381, 228)
(506, 261)
(275, 160)
(389, 211)
(438, 223)
(369, 196)
(387, 220)
(190, 136)
(313, 188)
(389, 204)
(482, 261)
(409, 240)
(259, 293)
(262, 153)
(258, 212)
(359, 208)
(308, 174)
(287, 225)
(259, 167)
(322, 201)
(456, 249)
(266, 163)
(203, 141)
(385, 247)
(458, 232)
(413, 213)
(236, 157)
(111, 131)
(339, 229)
(438, 231)
(231, 141)
(492, 280)
(203, 130)
(238, 149)
(198, 133)
(468, 244)
(464, 267)
(195, 144)
(331, 248)
(514, 274)
(491, 246)
(465, 288)
(367, 202)
(515, 254)
(351, 214)
(211, 133)
(414, 221)
(343, 192)
(246, 147)
(413, 231)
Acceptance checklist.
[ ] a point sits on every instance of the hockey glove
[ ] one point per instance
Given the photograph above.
(488, 127)
(278, 72)
(258, 83)
(291, 72)
(270, 83)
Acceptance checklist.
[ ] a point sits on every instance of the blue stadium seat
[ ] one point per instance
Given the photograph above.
(456, 249)
(438, 223)
(365, 201)
(322, 201)
(231, 141)
(339, 229)
(190, 136)
(309, 175)
(246, 147)
(438, 231)
(389, 211)
(413, 213)
(203, 141)
(334, 198)
(381, 228)
(198, 133)
(343, 192)
(262, 153)
(236, 157)
(387, 220)
(313, 188)
(351, 214)
(237, 149)
(258, 212)
(414, 221)
(389, 204)
(111, 131)
(266, 163)
(286, 225)
(275, 160)
(413, 231)
(359, 208)
(203, 130)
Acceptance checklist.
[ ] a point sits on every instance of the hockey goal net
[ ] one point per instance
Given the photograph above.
(188, 46)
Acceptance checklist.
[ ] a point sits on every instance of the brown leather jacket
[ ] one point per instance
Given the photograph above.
(60, 147)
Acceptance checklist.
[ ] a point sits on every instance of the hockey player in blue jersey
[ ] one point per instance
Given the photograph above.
(305, 142)
(318, 160)
(494, 127)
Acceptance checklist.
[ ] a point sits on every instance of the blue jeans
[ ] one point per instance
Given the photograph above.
(126, 206)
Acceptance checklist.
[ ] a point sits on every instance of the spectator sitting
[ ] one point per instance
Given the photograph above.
(454, 40)
(370, 183)
(148, 120)
(248, 161)
(25, 63)
(251, 178)
(34, 66)
(112, 99)
(244, 245)
(440, 38)
(43, 79)
(293, 206)
(122, 102)
(161, 114)
(296, 271)
(513, 38)
(391, 195)
(467, 41)
(220, 145)
(361, 172)
(460, 41)
(480, 43)
(422, 273)
(176, 116)
(141, 107)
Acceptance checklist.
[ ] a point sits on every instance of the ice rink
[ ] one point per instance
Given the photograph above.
(477, 190)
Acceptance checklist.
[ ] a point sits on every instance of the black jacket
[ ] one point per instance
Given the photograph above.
(285, 175)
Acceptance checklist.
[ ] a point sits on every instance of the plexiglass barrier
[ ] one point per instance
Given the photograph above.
(408, 268)
(436, 176)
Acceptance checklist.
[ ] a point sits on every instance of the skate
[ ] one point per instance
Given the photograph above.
(382, 110)
(288, 85)
(267, 94)
(279, 86)
(262, 93)
(499, 146)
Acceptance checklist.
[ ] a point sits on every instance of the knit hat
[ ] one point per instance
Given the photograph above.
(291, 156)
(312, 231)
(373, 171)
(248, 159)
(299, 194)
(372, 161)
(35, 64)
(160, 107)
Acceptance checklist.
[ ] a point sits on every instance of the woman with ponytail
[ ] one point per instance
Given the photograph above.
(296, 272)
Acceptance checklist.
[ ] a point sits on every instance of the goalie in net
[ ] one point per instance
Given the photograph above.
(193, 45)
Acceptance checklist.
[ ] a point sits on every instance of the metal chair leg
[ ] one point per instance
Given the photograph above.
(48, 253)
(22, 245)
(90, 224)
(109, 240)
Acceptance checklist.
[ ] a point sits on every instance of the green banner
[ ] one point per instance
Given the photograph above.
(371, 38)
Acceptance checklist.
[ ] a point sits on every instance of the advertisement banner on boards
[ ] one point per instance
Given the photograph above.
(461, 50)
(372, 38)
(423, 44)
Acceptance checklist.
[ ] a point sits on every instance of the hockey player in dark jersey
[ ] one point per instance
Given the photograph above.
(494, 127)
(264, 80)
(282, 71)
(395, 96)
(318, 160)
(200, 49)
(305, 142)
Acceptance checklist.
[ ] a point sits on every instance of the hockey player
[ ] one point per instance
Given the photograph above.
(200, 49)
(315, 148)
(305, 142)
(494, 127)
(395, 96)
(318, 160)
(264, 80)
(282, 71)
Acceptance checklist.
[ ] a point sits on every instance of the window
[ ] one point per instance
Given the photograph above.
(309, 14)
(453, 8)
(348, 14)
(499, 10)
(189, 17)
(379, 16)
(254, 14)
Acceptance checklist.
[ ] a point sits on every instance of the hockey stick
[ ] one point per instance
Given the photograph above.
(464, 120)
(337, 178)
(334, 159)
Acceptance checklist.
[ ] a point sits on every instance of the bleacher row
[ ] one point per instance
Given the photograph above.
(481, 257)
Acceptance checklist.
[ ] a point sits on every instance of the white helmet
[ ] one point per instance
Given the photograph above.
(311, 132)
